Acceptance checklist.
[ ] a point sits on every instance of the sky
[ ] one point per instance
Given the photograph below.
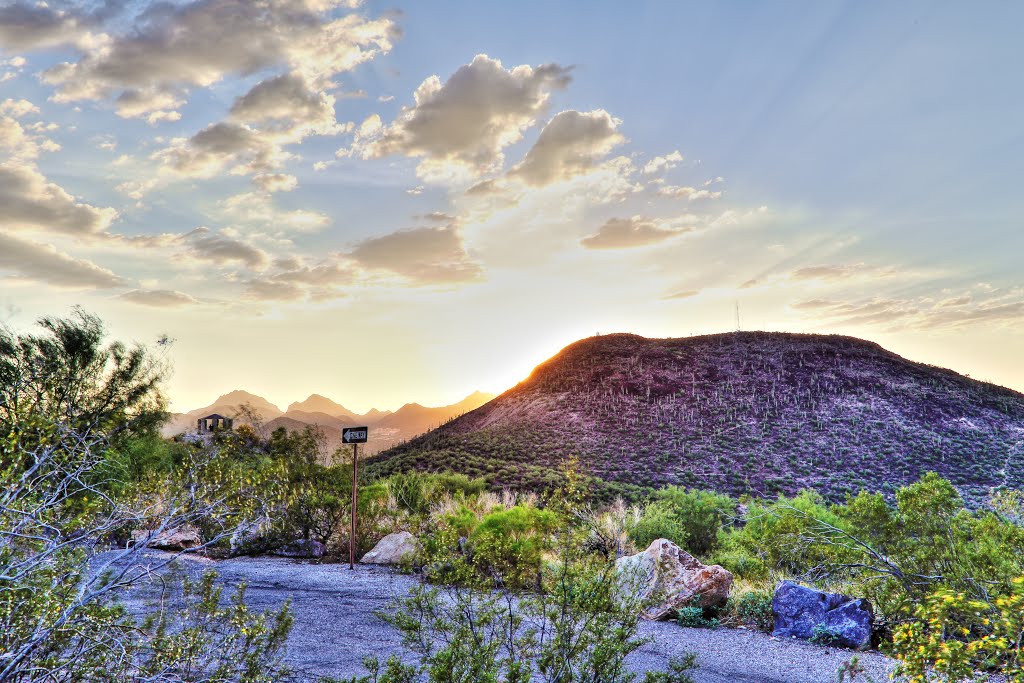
(388, 202)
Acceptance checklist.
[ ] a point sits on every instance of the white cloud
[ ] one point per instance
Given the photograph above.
(275, 182)
(569, 145)
(469, 119)
(43, 263)
(159, 298)
(425, 256)
(665, 163)
(170, 48)
(623, 233)
(205, 245)
(28, 26)
(31, 202)
(258, 209)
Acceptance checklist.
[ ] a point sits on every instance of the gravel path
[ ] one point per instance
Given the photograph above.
(335, 626)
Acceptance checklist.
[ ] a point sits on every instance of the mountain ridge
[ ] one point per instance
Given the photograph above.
(746, 412)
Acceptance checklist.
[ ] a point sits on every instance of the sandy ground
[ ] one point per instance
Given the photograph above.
(335, 626)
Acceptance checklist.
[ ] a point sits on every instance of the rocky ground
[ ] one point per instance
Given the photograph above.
(335, 626)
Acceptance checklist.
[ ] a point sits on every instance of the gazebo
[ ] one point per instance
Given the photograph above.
(212, 423)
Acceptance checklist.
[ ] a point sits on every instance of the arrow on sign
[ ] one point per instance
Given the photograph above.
(354, 434)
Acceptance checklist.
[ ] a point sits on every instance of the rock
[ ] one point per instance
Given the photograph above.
(304, 548)
(397, 548)
(671, 578)
(181, 538)
(254, 536)
(799, 610)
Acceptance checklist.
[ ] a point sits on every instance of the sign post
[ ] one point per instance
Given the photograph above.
(354, 436)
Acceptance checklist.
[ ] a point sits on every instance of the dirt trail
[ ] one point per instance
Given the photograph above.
(335, 627)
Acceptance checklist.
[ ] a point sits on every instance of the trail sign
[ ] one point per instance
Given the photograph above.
(354, 434)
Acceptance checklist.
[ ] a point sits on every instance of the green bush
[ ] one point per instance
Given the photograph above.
(754, 608)
(701, 515)
(657, 521)
(694, 617)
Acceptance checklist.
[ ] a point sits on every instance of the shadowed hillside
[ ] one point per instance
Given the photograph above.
(750, 412)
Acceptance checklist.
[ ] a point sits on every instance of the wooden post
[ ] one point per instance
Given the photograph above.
(355, 504)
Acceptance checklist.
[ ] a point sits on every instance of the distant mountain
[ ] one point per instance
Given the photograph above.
(752, 412)
(322, 419)
(405, 423)
(412, 418)
(231, 403)
(321, 404)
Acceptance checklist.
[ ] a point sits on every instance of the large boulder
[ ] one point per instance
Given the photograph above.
(254, 536)
(802, 612)
(301, 548)
(179, 538)
(666, 578)
(396, 548)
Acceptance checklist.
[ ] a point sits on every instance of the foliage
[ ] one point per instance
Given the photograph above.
(823, 635)
(573, 628)
(953, 635)
(754, 608)
(210, 641)
(677, 671)
(701, 514)
(694, 617)
(68, 375)
(657, 521)
(79, 468)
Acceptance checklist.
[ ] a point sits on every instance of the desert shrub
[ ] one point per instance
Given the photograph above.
(657, 521)
(824, 635)
(741, 562)
(952, 636)
(701, 514)
(695, 617)
(509, 544)
(775, 534)
(75, 415)
(678, 671)
(574, 627)
(754, 608)
(609, 530)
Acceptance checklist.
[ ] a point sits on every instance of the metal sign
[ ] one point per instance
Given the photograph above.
(354, 434)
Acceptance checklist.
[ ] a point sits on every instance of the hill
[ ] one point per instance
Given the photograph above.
(321, 404)
(412, 418)
(751, 412)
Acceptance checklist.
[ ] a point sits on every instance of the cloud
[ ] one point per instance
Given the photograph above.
(295, 280)
(221, 249)
(286, 101)
(37, 26)
(207, 152)
(665, 163)
(43, 263)
(1003, 307)
(272, 290)
(257, 208)
(276, 112)
(29, 201)
(469, 119)
(275, 182)
(690, 193)
(840, 272)
(687, 294)
(170, 48)
(424, 255)
(623, 233)
(569, 145)
(159, 298)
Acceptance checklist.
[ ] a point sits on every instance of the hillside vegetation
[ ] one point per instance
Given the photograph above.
(751, 412)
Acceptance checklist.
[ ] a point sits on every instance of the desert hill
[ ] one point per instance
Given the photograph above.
(746, 412)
